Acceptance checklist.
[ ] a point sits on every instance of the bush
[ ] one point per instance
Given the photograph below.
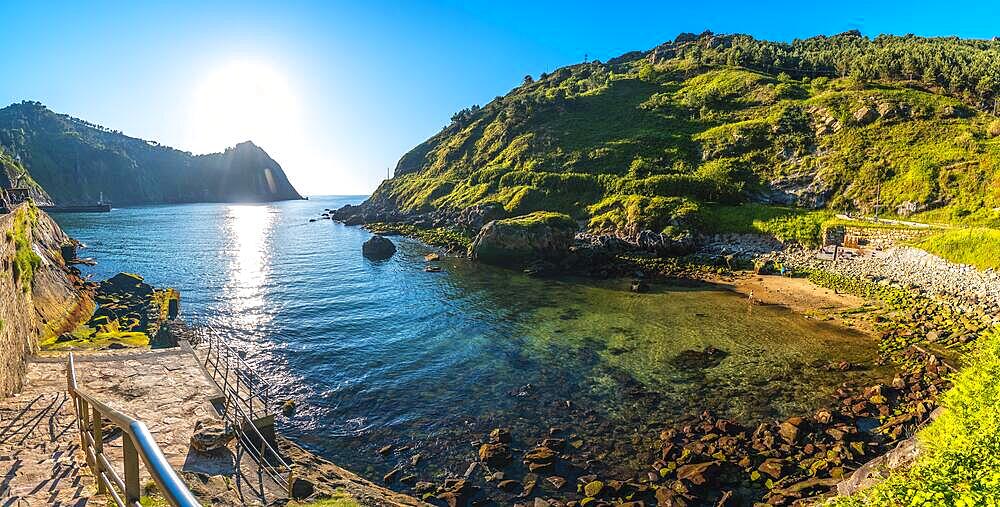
(994, 129)
(960, 464)
(647, 72)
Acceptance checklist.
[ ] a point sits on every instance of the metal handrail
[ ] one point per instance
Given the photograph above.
(226, 359)
(240, 411)
(137, 443)
(269, 461)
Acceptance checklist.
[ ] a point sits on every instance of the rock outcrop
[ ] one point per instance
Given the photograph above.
(516, 241)
(39, 294)
(130, 313)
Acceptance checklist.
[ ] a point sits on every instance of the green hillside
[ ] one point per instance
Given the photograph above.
(14, 175)
(646, 140)
(77, 162)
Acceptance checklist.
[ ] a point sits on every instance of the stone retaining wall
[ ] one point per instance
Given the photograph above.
(871, 237)
(968, 289)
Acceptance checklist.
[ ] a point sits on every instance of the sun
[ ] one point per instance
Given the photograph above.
(240, 101)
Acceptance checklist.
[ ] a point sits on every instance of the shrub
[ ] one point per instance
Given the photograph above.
(994, 129)
(647, 72)
(960, 464)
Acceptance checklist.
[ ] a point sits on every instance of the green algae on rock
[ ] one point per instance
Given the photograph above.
(518, 240)
(130, 313)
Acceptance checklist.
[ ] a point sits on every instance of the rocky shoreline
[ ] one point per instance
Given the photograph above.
(928, 310)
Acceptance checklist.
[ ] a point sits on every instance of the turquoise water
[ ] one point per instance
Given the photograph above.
(382, 352)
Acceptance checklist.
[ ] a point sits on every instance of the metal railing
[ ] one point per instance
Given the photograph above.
(137, 443)
(250, 441)
(247, 400)
(239, 382)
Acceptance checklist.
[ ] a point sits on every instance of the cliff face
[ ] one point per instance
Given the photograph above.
(39, 294)
(77, 162)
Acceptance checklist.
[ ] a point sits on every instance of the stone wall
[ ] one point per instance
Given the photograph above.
(56, 301)
(871, 237)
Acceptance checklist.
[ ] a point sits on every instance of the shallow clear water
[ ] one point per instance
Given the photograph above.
(382, 352)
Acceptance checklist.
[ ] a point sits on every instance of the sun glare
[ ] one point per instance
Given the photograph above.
(240, 101)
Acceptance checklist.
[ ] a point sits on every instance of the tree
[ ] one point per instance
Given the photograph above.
(528, 79)
(647, 72)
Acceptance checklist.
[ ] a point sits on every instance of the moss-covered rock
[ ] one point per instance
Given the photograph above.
(522, 239)
(130, 313)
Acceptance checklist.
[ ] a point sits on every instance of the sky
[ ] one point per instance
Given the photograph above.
(336, 91)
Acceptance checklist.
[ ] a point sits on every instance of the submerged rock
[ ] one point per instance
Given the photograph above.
(378, 248)
(699, 359)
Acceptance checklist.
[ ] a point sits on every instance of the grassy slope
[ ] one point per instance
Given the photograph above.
(592, 138)
(961, 462)
(978, 247)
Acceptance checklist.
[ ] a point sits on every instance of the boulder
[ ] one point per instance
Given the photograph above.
(773, 467)
(210, 434)
(865, 115)
(957, 111)
(789, 430)
(878, 469)
(520, 240)
(500, 436)
(378, 248)
(593, 488)
(888, 110)
(128, 283)
(699, 474)
(302, 488)
(495, 455)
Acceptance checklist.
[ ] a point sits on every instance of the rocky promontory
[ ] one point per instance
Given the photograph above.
(74, 162)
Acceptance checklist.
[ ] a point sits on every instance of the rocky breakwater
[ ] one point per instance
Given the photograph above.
(537, 238)
(130, 313)
(41, 294)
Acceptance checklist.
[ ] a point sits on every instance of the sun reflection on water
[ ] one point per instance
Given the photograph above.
(248, 228)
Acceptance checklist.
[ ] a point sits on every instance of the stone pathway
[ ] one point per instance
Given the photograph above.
(40, 456)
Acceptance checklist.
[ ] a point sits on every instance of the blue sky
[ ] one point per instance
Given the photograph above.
(349, 87)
